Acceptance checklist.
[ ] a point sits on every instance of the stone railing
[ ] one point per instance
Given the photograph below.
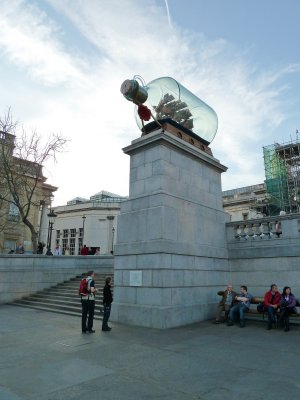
(268, 228)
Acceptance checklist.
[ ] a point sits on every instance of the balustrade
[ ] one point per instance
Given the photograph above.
(266, 228)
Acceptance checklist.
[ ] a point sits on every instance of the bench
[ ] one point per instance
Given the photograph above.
(253, 308)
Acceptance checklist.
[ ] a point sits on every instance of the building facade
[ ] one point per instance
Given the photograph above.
(249, 202)
(90, 222)
(34, 195)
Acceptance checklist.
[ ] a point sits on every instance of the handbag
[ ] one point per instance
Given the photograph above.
(284, 304)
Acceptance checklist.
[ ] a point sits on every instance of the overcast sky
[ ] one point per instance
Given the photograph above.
(63, 61)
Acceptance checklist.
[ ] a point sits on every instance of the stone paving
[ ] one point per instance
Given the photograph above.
(44, 356)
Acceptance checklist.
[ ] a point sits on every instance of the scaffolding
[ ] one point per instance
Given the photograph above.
(282, 171)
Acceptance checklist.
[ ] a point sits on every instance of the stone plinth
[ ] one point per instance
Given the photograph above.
(170, 252)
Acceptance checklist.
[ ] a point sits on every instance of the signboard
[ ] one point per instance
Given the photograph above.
(135, 278)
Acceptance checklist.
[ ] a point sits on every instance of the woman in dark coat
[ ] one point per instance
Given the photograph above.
(107, 300)
(287, 306)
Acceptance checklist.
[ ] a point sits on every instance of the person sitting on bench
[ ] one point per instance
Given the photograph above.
(287, 306)
(225, 304)
(271, 304)
(243, 305)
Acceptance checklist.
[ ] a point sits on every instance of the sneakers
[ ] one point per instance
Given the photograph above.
(229, 323)
(242, 324)
(91, 331)
(217, 321)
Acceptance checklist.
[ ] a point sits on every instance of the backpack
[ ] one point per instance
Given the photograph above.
(84, 289)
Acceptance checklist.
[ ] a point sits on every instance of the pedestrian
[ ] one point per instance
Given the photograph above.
(57, 250)
(225, 304)
(84, 251)
(88, 304)
(242, 306)
(40, 248)
(107, 300)
(67, 251)
(97, 252)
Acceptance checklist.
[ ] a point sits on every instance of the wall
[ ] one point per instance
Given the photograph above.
(23, 275)
(261, 254)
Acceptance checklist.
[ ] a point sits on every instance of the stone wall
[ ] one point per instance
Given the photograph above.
(262, 252)
(22, 275)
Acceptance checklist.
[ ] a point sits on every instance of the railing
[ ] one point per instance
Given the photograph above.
(268, 228)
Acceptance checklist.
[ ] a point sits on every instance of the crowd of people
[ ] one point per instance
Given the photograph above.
(278, 306)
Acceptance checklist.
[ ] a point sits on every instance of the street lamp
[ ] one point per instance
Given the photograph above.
(83, 222)
(51, 217)
(112, 240)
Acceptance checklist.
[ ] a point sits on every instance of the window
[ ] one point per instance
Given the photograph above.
(73, 233)
(72, 247)
(13, 213)
(245, 216)
(81, 232)
(9, 245)
(80, 244)
(64, 245)
(58, 235)
(65, 233)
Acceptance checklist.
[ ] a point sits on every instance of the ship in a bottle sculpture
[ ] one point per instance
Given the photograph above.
(165, 103)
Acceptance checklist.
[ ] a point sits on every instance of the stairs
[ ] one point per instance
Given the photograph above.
(63, 298)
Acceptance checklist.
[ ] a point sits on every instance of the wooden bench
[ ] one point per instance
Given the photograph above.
(253, 312)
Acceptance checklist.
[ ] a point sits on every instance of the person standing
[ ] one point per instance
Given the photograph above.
(107, 300)
(225, 304)
(241, 307)
(84, 251)
(97, 252)
(40, 248)
(57, 250)
(88, 304)
(271, 304)
(67, 251)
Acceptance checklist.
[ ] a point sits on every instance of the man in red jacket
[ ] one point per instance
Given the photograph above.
(271, 304)
(84, 251)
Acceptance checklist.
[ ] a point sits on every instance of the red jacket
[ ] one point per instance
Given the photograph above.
(268, 298)
(84, 251)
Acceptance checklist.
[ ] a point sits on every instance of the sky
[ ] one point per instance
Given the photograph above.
(62, 63)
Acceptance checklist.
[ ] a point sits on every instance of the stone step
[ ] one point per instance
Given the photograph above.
(63, 298)
(54, 300)
(62, 295)
(57, 311)
(73, 307)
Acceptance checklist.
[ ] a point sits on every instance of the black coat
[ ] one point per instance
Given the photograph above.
(107, 295)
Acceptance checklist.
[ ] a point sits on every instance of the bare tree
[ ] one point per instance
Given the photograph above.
(21, 170)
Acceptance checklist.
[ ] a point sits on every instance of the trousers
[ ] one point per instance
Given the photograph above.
(88, 310)
(238, 309)
(106, 316)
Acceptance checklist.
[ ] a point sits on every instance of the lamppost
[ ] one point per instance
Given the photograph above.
(51, 217)
(83, 222)
(112, 240)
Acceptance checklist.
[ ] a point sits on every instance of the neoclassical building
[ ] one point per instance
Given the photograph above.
(249, 202)
(90, 222)
(26, 178)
